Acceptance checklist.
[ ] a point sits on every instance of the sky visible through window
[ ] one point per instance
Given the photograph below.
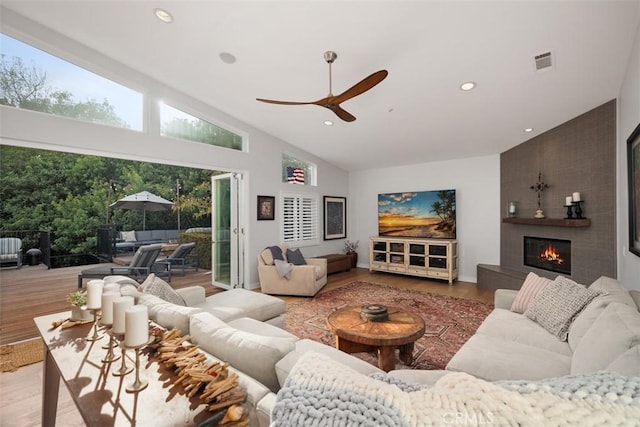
(83, 84)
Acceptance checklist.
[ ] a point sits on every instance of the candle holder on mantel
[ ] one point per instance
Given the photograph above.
(569, 211)
(578, 209)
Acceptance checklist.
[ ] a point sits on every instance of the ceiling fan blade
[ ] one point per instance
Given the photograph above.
(340, 112)
(271, 101)
(361, 87)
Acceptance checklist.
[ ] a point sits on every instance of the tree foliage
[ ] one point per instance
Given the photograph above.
(27, 87)
(69, 194)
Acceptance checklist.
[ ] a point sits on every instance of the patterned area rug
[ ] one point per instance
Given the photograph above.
(449, 321)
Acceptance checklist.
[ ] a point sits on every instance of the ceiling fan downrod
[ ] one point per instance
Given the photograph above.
(330, 56)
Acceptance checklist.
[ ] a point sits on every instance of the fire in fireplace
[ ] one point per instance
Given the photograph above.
(548, 254)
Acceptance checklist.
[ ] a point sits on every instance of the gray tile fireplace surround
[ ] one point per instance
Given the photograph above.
(579, 155)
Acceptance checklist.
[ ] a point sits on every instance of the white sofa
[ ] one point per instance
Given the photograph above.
(605, 335)
(506, 346)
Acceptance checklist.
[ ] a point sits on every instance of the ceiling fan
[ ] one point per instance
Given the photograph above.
(331, 101)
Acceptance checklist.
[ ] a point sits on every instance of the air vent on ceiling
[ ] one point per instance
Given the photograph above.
(543, 61)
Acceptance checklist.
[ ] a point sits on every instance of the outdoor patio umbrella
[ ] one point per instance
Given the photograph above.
(144, 201)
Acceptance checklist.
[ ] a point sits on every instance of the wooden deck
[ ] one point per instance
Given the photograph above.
(33, 291)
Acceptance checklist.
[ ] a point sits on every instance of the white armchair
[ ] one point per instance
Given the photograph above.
(303, 280)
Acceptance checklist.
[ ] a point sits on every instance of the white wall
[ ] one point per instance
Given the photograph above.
(628, 119)
(477, 185)
(261, 164)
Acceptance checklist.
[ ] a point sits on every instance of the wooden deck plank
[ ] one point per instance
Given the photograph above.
(33, 291)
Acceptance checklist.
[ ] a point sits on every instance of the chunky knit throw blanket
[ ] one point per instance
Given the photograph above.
(321, 392)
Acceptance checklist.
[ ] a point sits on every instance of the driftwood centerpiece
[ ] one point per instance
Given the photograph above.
(211, 382)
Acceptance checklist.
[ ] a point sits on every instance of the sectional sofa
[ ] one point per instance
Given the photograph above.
(243, 328)
(129, 241)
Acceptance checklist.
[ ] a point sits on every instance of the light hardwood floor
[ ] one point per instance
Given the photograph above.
(20, 391)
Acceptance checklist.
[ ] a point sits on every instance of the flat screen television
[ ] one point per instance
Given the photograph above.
(428, 214)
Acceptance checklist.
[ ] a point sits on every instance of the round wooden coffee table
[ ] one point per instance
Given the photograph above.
(356, 335)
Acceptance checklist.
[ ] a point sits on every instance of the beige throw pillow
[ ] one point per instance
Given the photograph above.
(156, 286)
(128, 236)
(530, 288)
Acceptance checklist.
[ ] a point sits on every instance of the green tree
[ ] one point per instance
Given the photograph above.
(68, 194)
(27, 87)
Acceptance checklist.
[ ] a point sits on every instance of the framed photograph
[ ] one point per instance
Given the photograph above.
(335, 217)
(266, 208)
(633, 160)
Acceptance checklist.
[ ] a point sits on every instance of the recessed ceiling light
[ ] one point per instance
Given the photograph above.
(163, 15)
(467, 86)
(328, 122)
(227, 58)
(528, 130)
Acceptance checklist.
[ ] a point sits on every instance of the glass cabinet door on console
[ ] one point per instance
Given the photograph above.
(379, 254)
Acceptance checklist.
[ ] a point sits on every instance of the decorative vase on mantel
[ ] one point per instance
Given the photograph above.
(353, 258)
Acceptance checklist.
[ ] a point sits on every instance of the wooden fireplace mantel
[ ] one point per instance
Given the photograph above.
(553, 222)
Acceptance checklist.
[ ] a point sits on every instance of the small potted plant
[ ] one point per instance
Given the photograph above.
(78, 300)
(350, 249)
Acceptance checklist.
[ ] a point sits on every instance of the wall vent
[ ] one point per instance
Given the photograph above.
(543, 61)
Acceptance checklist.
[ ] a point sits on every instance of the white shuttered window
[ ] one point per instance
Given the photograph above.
(299, 219)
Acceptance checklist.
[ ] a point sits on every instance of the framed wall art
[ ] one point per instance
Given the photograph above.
(335, 217)
(266, 208)
(633, 161)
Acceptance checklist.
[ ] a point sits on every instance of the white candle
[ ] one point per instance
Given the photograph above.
(94, 294)
(512, 207)
(120, 306)
(569, 200)
(111, 287)
(136, 326)
(576, 197)
(107, 307)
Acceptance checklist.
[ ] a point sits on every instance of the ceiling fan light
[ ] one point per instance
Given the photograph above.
(328, 122)
(163, 15)
(467, 86)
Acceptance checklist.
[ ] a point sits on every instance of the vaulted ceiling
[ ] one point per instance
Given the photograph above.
(418, 113)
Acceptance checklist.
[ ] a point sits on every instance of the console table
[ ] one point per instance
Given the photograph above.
(101, 397)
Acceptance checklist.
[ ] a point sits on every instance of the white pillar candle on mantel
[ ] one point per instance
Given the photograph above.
(94, 294)
(569, 200)
(120, 306)
(136, 326)
(107, 307)
(111, 287)
(576, 197)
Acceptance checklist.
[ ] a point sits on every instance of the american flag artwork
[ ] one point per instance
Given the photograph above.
(295, 175)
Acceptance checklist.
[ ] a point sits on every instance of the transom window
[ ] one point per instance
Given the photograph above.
(296, 171)
(34, 80)
(299, 219)
(178, 124)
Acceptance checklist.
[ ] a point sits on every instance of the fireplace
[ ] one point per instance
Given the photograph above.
(548, 254)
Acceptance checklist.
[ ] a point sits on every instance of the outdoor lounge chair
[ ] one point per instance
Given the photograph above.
(178, 259)
(139, 268)
(11, 251)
